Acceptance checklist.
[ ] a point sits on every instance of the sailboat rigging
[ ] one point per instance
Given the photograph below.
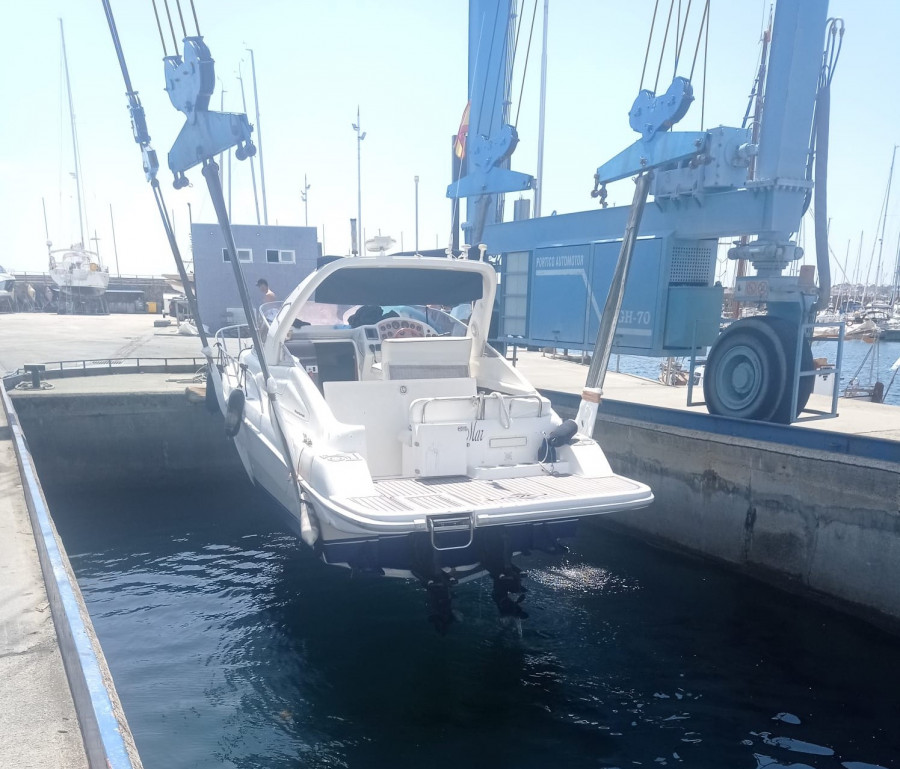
(77, 271)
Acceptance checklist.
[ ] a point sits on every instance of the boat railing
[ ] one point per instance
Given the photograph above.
(231, 341)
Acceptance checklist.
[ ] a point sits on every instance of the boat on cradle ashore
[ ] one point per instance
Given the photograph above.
(418, 450)
(78, 273)
(7, 284)
(889, 328)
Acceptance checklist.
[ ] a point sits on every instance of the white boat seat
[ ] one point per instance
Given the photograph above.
(382, 407)
(426, 358)
(457, 435)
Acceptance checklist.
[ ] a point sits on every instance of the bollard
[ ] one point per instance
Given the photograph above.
(35, 370)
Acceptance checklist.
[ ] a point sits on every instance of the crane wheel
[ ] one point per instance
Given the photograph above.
(751, 368)
(787, 334)
(745, 372)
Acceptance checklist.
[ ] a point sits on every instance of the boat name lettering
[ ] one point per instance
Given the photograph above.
(475, 435)
(558, 261)
(341, 457)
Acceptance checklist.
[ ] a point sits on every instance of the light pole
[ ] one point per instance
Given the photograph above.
(360, 135)
(416, 179)
(305, 198)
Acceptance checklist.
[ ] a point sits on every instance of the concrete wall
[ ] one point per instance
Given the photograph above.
(808, 520)
(213, 276)
(125, 440)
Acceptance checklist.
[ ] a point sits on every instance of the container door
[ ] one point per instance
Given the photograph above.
(559, 289)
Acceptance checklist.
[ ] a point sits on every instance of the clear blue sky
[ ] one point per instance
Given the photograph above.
(404, 63)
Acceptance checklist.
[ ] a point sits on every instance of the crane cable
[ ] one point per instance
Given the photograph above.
(525, 67)
(649, 40)
(143, 138)
(819, 156)
(679, 37)
(210, 172)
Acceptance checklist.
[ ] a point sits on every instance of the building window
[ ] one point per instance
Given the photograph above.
(274, 256)
(244, 255)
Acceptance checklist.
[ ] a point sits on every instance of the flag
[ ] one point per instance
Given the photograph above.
(460, 146)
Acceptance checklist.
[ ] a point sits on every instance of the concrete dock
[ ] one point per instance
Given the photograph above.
(855, 417)
(38, 723)
(60, 707)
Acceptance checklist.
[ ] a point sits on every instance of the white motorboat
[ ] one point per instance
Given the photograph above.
(398, 440)
(78, 273)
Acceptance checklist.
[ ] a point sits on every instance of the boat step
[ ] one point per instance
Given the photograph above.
(445, 524)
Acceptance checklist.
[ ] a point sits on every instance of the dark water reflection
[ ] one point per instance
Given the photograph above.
(232, 646)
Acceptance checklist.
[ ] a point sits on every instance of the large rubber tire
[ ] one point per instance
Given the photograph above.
(745, 371)
(787, 334)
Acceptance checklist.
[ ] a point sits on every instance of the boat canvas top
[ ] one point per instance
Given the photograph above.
(392, 280)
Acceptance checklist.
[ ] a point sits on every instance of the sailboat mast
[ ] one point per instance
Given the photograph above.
(262, 170)
(887, 200)
(62, 37)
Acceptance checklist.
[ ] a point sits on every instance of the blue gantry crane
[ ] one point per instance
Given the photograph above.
(557, 270)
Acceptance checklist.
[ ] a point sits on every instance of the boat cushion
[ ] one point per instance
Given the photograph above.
(444, 357)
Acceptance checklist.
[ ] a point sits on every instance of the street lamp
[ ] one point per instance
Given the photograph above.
(360, 135)
(416, 178)
(305, 198)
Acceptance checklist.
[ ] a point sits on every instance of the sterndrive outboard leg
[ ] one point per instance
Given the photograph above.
(496, 557)
(437, 583)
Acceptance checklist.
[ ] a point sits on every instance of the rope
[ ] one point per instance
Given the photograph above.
(663, 51)
(649, 40)
(525, 68)
(162, 38)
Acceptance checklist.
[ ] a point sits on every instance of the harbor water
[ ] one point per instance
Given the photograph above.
(867, 362)
(232, 646)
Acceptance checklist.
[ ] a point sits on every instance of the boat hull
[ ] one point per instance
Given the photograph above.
(408, 555)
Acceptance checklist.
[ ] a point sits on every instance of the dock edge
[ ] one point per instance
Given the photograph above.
(108, 741)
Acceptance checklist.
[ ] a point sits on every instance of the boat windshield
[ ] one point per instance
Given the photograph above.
(326, 315)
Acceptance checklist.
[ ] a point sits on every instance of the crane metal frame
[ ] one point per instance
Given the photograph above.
(554, 266)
